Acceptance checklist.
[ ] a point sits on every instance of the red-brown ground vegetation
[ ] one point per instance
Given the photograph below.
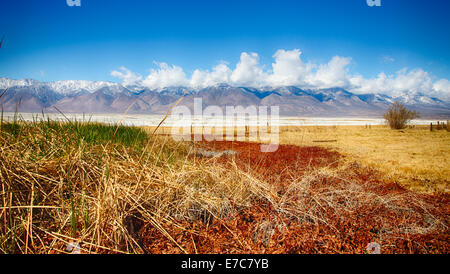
(316, 206)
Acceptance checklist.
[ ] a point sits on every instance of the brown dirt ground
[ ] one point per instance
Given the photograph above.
(344, 229)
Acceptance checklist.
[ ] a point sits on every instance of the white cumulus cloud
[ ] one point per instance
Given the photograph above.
(288, 69)
(248, 72)
(404, 81)
(442, 89)
(128, 77)
(333, 74)
(165, 76)
(220, 74)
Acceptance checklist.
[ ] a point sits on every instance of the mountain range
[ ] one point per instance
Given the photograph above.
(76, 96)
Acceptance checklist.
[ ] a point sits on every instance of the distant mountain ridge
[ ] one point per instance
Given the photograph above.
(75, 96)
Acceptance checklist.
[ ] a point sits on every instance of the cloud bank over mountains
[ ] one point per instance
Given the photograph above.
(288, 69)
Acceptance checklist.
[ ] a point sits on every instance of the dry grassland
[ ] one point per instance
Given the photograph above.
(415, 157)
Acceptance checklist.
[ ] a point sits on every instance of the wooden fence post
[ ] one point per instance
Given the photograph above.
(431, 126)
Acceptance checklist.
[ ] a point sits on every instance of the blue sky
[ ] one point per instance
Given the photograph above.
(48, 40)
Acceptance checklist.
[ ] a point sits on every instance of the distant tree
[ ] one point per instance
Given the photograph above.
(398, 116)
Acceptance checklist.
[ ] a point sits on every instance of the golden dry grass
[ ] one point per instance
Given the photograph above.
(415, 157)
(64, 183)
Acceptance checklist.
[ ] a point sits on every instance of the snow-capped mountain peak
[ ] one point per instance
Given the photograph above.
(8, 82)
(67, 87)
(71, 86)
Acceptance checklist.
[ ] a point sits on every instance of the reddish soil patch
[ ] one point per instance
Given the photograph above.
(334, 214)
(277, 167)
